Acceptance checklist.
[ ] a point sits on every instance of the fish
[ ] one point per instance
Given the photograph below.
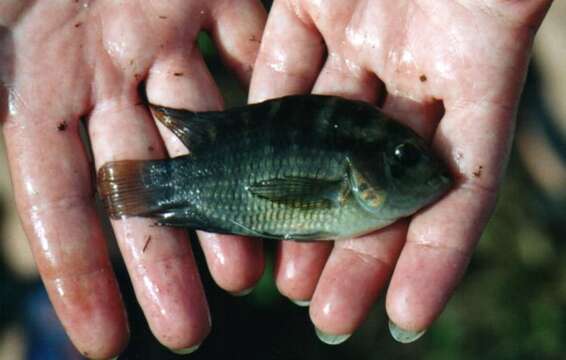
(300, 167)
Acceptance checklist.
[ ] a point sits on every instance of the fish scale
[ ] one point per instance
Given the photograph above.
(253, 212)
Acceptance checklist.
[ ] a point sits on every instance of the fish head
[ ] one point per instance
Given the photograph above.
(404, 176)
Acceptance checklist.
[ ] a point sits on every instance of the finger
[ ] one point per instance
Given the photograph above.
(54, 196)
(290, 55)
(354, 275)
(236, 263)
(237, 32)
(343, 77)
(288, 62)
(474, 139)
(159, 259)
(299, 265)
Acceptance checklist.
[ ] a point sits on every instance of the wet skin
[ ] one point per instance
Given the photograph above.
(64, 60)
(88, 58)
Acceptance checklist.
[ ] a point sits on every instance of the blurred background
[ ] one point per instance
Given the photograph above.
(510, 305)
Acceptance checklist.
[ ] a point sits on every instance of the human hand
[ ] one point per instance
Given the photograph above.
(60, 61)
(453, 71)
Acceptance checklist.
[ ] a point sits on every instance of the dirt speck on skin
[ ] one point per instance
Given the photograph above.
(150, 148)
(147, 241)
(163, 17)
(423, 78)
(62, 126)
(478, 171)
(253, 38)
(78, 25)
(178, 74)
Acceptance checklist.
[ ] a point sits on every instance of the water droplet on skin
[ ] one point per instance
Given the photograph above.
(326, 309)
(14, 103)
(59, 288)
(407, 57)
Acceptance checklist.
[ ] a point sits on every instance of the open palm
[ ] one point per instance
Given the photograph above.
(60, 61)
(452, 70)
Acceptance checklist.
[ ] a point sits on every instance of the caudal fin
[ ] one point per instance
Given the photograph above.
(134, 188)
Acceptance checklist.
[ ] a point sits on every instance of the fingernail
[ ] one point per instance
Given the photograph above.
(303, 303)
(404, 336)
(331, 339)
(186, 351)
(243, 292)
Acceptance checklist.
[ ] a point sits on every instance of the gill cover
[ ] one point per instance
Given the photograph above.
(368, 195)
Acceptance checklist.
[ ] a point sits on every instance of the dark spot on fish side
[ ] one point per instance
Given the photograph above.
(478, 171)
(78, 25)
(163, 17)
(423, 78)
(62, 126)
(147, 241)
(178, 74)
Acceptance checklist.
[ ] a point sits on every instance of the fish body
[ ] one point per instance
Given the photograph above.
(300, 167)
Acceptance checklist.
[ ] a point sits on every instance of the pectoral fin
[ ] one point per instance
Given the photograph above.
(302, 192)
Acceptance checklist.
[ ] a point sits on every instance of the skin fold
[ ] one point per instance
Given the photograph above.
(452, 70)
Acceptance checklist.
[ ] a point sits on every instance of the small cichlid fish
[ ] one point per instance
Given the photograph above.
(303, 167)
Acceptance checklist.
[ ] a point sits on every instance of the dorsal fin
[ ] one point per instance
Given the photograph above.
(326, 119)
(200, 130)
(194, 129)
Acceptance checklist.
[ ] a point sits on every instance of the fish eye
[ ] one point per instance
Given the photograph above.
(407, 154)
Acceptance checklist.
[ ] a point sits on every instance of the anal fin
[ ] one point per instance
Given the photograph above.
(187, 218)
